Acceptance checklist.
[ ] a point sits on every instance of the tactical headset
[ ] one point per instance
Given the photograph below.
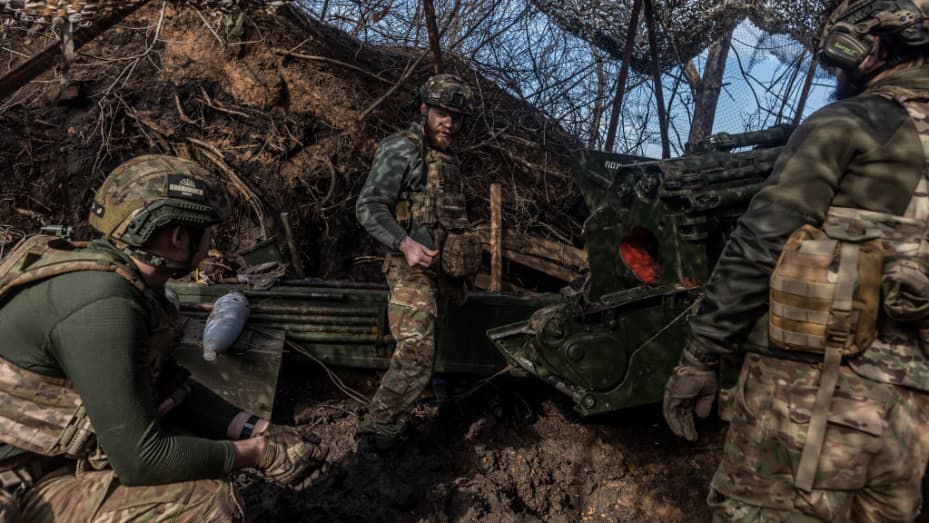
(850, 32)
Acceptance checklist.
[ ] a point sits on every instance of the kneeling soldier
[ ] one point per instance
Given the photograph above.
(87, 382)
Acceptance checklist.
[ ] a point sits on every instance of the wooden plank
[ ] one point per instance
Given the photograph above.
(496, 241)
(550, 250)
(482, 282)
(246, 376)
(542, 265)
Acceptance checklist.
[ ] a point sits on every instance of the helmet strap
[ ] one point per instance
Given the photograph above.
(178, 269)
(155, 260)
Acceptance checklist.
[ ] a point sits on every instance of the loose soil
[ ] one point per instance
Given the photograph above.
(513, 451)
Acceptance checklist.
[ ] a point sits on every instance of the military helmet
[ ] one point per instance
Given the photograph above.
(149, 192)
(448, 92)
(850, 30)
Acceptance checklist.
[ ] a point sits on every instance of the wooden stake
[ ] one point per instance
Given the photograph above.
(292, 246)
(496, 237)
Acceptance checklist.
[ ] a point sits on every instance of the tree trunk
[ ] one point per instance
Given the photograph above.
(433, 28)
(706, 92)
(656, 78)
(599, 105)
(623, 76)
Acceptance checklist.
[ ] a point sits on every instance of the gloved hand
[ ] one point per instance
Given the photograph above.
(293, 456)
(692, 387)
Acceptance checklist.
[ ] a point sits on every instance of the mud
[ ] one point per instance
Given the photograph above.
(512, 452)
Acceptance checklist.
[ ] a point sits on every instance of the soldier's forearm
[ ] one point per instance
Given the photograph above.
(385, 229)
(736, 294)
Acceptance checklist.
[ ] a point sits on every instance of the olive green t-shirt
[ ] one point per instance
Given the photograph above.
(90, 327)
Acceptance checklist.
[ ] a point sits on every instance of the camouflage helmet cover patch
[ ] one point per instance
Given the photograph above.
(448, 92)
(149, 192)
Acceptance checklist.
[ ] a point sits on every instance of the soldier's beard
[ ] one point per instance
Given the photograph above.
(440, 139)
(847, 87)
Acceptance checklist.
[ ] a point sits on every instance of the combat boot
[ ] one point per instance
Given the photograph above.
(374, 447)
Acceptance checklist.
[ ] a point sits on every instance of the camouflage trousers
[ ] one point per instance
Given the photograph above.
(9, 510)
(873, 457)
(411, 312)
(98, 497)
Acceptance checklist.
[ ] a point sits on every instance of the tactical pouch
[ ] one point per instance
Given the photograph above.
(824, 297)
(402, 213)
(905, 284)
(452, 212)
(825, 289)
(422, 209)
(461, 254)
(43, 414)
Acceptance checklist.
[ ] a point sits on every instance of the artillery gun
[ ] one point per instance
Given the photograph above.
(653, 235)
(655, 229)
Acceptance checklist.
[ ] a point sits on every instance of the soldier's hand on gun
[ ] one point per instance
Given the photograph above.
(293, 456)
(417, 254)
(691, 388)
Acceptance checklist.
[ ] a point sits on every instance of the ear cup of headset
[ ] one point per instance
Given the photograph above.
(846, 50)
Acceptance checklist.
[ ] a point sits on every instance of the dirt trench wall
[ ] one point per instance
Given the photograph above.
(287, 110)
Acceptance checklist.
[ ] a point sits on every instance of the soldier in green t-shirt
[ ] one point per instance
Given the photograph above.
(92, 398)
(825, 426)
(413, 203)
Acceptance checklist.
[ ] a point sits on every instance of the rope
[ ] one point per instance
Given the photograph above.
(480, 384)
(348, 391)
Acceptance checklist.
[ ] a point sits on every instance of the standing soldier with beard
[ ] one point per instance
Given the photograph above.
(413, 203)
(830, 415)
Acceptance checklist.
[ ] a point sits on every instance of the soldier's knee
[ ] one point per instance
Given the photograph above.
(412, 378)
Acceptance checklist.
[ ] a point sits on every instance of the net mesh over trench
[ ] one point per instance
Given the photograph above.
(684, 27)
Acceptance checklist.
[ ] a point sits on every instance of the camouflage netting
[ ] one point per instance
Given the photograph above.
(84, 12)
(685, 27)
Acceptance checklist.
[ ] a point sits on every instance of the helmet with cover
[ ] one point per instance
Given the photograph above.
(448, 92)
(148, 193)
(851, 29)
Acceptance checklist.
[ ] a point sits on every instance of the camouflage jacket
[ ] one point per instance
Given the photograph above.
(862, 152)
(93, 331)
(397, 171)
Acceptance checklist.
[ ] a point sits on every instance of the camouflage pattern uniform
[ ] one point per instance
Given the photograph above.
(862, 153)
(99, 497)
(412, 308)
(71, 316)
(401, 198)
(9, 509)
